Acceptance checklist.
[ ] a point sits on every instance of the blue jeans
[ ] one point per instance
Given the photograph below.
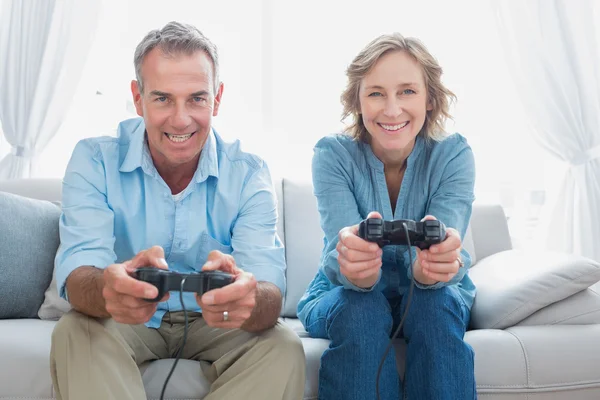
(439, 363)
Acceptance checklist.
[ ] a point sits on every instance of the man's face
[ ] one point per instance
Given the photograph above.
(177, 105)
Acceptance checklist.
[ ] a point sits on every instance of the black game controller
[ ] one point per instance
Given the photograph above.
(165, 280)
(421, 234)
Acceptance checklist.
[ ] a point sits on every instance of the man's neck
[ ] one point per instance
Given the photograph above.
(177, 178)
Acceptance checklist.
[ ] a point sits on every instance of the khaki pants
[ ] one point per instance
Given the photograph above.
(98, 358)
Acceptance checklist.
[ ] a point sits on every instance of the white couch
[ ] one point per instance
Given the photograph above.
(549, 350)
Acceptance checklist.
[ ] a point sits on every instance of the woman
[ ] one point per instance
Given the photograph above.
(394, 162)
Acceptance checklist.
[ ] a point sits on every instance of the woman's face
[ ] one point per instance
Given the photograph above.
(393, 102)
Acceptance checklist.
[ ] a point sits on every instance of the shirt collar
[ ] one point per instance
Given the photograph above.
(376, 163)
(133, 132)
(209, 163)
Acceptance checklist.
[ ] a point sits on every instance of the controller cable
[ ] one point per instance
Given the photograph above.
(408, 300)
(185, 332)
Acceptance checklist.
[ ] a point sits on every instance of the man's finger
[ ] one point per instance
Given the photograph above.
(241, 308)
(240, 288)
(121, 282)
(152, 257)
(217, 261)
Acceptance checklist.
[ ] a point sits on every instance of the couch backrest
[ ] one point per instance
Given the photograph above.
(299, 228)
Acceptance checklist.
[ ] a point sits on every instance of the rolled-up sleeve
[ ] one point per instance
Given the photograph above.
(337, 206)
(256, 247)
(452, 204)
(86, 225)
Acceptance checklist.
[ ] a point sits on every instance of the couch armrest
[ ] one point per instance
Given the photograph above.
(513, 284)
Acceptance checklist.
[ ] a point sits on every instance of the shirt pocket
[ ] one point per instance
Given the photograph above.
(208, 244)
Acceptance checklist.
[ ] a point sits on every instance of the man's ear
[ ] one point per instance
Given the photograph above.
(137, 98)
(217, 101)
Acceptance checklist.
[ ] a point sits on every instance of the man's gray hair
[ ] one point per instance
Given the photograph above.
(174, 39)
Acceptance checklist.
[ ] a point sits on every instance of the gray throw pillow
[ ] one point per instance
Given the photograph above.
(28, 242)
(514, 284)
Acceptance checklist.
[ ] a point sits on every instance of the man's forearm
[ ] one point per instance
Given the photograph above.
(84, 286)
(267, 308)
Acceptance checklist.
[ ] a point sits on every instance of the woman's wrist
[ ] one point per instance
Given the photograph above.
(420, 276)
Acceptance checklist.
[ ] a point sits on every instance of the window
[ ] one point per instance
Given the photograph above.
(283, 66)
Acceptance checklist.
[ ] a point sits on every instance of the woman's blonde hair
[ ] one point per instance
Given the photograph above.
(438, 96)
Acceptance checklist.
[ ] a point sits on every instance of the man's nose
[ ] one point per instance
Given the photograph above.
(181, 119)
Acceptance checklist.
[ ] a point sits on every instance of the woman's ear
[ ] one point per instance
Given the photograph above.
(429, 105)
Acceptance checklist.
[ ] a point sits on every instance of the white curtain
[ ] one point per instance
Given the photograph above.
(43, 48)
(553, 52)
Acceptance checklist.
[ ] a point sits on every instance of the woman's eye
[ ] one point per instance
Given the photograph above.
(408, 91)
(375, 94)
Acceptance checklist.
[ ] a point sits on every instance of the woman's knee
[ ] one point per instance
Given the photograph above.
(431, 309)
(361, 311)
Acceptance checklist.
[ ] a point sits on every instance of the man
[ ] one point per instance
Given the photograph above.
(169, 193)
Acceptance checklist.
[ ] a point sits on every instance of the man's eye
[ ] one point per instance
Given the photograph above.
(161, 99)
(198, 99)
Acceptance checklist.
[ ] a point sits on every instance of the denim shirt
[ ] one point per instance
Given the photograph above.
(349, 182)
(115, 204)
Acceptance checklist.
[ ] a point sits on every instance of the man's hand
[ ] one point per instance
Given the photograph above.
(238, 298)
(360, 260)
(440, 262)
(124, 295)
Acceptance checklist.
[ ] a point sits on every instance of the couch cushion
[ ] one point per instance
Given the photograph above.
(28, 242)
(304, 240)
(24, 359)
(547, 362)
(513, 284)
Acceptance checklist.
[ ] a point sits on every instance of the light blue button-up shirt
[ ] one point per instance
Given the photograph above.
(115, 204)
(349, 182)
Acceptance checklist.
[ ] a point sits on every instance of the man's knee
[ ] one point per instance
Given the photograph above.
(283, 340)
(73, 322)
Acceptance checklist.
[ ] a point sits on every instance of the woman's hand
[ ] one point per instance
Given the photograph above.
(360, 261)
(441, 262)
